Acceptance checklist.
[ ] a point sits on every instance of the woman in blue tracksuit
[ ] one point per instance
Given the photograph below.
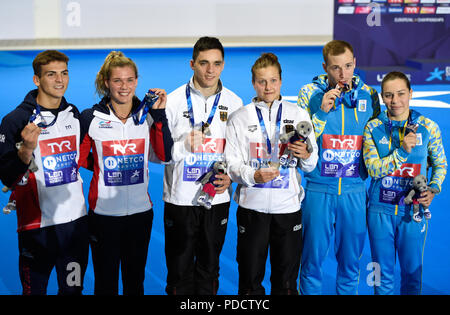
(397, 145)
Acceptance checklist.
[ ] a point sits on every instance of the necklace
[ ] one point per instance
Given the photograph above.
(117, 115)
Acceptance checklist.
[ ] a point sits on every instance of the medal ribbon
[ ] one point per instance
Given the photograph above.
(41, 124)
(147, 102)
(191, 111)
(401, 136)
(277, 131)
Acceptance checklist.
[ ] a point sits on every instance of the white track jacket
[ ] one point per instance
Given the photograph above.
(180, 186)
(246, 151)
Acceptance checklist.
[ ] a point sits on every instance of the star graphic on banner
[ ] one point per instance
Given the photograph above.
(279, 178)
(135, 174)
(436, 74)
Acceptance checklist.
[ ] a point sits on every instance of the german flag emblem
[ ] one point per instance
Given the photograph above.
(223, 116)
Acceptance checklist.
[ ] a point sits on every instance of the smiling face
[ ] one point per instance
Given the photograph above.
(267, 84)
(340, 68)
(208, 67)
(52, 82)
(122, 85)
(396, 96)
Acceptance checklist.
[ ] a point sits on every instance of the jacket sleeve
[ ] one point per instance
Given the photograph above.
(318, 119)
(379, 167)
(375, 103)
(179, 150)
(160, 135)
(86, 159)
(310, 163)
(437, 157)
(236, 155)
(12, 168)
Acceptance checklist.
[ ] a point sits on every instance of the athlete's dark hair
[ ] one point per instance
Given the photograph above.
(395, 75)
(207, 43)
(45, 57)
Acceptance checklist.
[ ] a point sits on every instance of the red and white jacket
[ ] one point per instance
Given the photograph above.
(121, 152)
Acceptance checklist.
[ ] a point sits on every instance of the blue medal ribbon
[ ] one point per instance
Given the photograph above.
(408, 127)
(264, 130)
(41, 124)
(191, 111)
(146, 104)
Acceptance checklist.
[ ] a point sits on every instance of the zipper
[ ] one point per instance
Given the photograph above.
(342, 133)
(270, 124)
(127, 186)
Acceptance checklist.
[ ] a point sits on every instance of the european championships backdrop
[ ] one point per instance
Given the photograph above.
(168, 68)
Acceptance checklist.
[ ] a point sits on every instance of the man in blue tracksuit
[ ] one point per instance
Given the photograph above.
(340, 105)
(397, 147)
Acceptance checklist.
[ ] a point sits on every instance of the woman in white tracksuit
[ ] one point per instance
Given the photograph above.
(268, 194)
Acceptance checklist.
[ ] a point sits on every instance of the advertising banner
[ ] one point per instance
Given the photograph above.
(387, 34)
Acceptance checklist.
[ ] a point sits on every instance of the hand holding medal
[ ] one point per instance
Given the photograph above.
(264, 175)
(194, 139)
(30, 136)
(329, 99)
(154, 99)
(158, 97)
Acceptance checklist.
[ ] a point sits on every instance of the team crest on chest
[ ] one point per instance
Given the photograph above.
(288, 128)
(362, 105)
(223, 116)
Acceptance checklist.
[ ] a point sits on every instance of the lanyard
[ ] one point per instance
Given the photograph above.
(147, 102)
(42, 123)
(352, 96)
(264, 130)
(191, 111)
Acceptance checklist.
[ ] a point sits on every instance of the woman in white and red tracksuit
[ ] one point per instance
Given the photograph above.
(122, 140)
(269, 197)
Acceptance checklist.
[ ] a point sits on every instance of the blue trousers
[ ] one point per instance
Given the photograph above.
(325, 214)
(390, 235)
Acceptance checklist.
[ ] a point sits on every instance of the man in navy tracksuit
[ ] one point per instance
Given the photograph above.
(39, 152)
(340, 105)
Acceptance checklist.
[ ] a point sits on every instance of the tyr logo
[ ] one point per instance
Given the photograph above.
(344, 143)
(211, 145)
(407, 170)
(64, 143)
(117, 147)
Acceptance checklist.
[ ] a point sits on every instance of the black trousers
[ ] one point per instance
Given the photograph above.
(257, 232)
(194, 237)
(120, 243)
(64, 247)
